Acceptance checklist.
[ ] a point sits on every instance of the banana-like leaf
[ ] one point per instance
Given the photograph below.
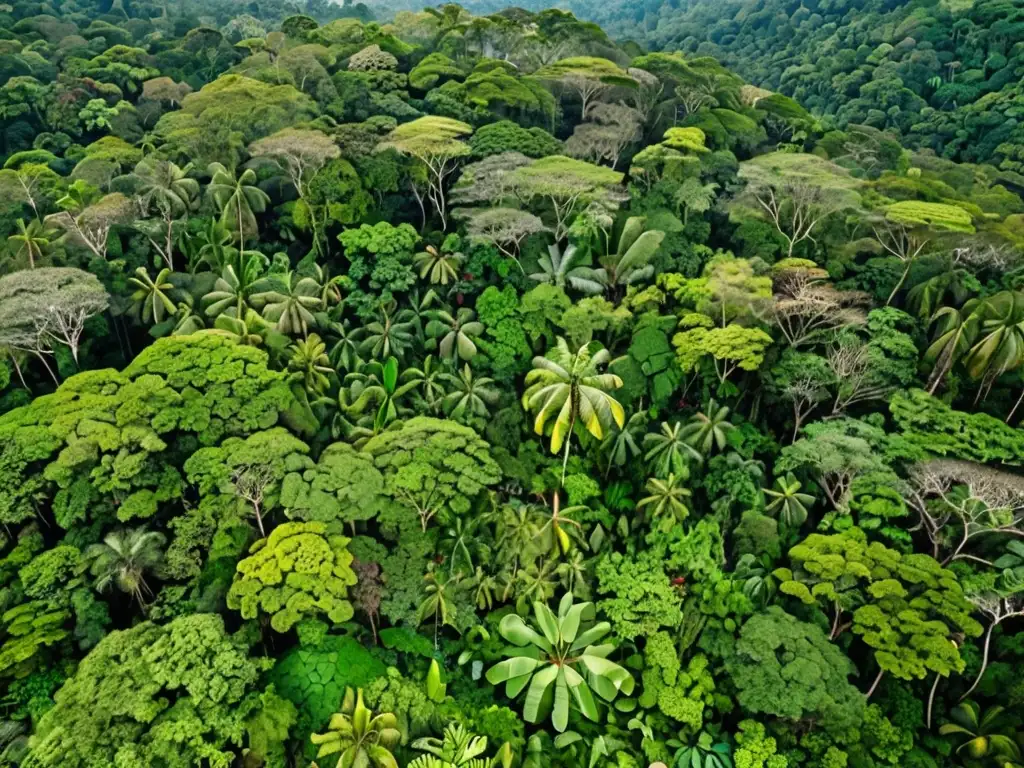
(538, 693)
(518, 632)
(512, 668)
(560, 710)
(547, 622)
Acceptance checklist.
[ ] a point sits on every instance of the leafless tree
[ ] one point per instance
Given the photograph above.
(805, 307)
(903, 242)
(92, 226)
(856, 376)
(998, 608)
(614, 127)
(65, 321)
(252, 483)
(805, 393)
(504, 228)
(797, 209)
(976, 499)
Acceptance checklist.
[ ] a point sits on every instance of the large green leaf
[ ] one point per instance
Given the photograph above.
(518, 632)
(510, 668)
(537, 693)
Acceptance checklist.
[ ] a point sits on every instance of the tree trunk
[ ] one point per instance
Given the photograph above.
(874, 685)
(931, 701)
(984, 660)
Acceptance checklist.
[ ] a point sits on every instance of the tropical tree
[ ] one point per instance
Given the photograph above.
(123, 558)
(456, 332)
(232, 292)
(567, 269)
(567, 386)
(559, 530)
(710, 429)
(788, 502)
(987, 736)
(666, 500)
(288, 301)
(152, 296)
(169, 189)
(439, 604)
(387, 336)
(237, 198)
(667, 451)
(460, 748)
(999, 346)
(694, 196)
(470, 396)
(560, 661)
(630, 263)
(438, 267)
(309, 363)
(359, 737)
(32, 240)
(377, 385)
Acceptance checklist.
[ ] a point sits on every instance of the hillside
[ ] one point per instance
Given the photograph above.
(946, 75)
(475, 391)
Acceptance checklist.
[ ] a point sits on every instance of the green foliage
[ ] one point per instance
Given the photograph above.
(299, 570)
(643, 600)
(574, 665)
(118, 706)
(314, 679)
(293, 275)
(788, 668)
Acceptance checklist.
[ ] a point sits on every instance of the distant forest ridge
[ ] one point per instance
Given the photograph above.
(945, 74)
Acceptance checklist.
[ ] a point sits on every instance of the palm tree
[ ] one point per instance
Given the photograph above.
(123, 558)
(787, 501)
(469, 397)
(955, 332)
(434, 376)
(459, 749)
(387, 336)
(166, 186)
(310, 365)
(1000, 344)
(668, 453)
(438, 267)
(462, 540)
(516, 534)
(361, 738)
(624, 444)
(694, 196)
(345, 349)
(667, 501)
(988, 736)
(32, 239)
(439, 603)
(186, 321)
(562, 662)
(566, 269)
(237, 198)
(152, 296)
(232, 292)
(213, 247)
(288, 301)
(567, 386)
(704, 432)
(631, 261)
(456, 332)
(251, 331)
(379, 385)
(559, 529)
(169, 189)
